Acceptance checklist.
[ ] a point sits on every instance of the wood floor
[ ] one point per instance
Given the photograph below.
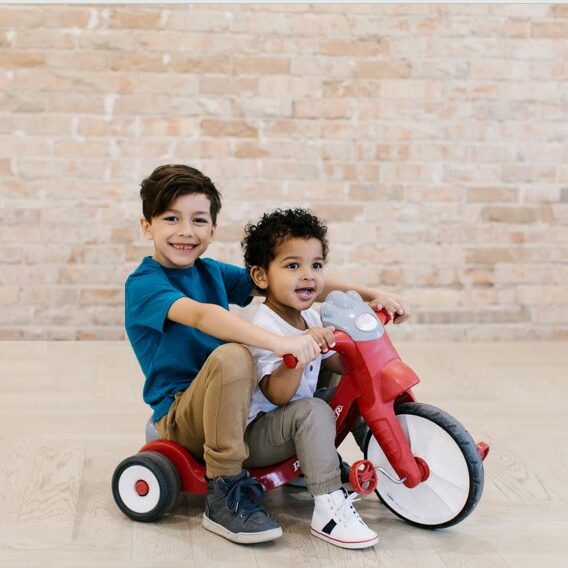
(71, 411)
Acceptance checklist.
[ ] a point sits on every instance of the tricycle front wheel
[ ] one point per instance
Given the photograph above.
(454, 484)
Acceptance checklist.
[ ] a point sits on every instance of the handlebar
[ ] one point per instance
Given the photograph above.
(290, 361)
(384, 316)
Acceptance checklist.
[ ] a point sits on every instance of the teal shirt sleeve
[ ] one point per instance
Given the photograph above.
(149, 297)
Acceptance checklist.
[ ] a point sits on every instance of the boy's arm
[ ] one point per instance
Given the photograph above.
(334, 363)
(397, 305)
(280, 386)
(219, 322)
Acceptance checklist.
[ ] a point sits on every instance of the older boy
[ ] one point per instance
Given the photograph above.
(199, 376)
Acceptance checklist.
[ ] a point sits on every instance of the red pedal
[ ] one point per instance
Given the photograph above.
(363, 477)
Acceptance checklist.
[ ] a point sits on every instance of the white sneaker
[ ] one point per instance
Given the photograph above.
(336, 521)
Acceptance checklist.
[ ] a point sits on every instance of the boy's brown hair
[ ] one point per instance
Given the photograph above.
(167, 183)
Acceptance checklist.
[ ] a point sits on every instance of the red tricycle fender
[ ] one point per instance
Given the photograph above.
(395, 379)
(377, 408)
(191, 473)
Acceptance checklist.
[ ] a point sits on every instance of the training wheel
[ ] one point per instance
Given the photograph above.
(363, 477)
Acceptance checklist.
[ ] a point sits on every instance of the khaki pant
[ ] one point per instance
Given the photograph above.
(209, 419)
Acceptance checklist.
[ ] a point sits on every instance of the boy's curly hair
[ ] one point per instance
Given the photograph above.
(260, 241)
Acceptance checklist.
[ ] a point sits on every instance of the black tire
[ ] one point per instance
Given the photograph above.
(466, 446)
(162, 477)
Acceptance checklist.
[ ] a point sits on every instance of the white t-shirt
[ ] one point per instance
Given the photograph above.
(266, 362)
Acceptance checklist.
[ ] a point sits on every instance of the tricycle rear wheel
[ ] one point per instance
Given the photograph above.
(455, 481)
(145, 486)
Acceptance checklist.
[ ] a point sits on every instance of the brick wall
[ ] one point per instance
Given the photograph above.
(432, 138)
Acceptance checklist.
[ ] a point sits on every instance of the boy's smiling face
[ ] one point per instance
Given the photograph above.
(294, 278)
(182, 233)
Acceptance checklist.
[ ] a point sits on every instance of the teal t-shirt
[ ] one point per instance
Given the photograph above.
(171, 354)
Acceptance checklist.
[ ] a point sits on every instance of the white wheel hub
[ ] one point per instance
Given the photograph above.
(127, 489)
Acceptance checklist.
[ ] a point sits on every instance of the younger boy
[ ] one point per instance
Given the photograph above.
(285, 253)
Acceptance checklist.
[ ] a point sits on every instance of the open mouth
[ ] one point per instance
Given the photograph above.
(305, 293)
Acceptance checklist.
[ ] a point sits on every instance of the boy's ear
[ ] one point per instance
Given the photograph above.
(146, 228)
(258, 275)
(213, 231)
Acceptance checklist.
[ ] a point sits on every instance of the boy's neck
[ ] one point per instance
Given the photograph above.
(288, 314)
(153, 257)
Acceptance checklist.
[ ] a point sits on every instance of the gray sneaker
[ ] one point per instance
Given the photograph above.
(232, 510)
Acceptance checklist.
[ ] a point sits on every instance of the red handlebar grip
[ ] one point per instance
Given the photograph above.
(290, 361)
(384, 316)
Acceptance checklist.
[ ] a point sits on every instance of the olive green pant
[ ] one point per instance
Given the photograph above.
(305, 427)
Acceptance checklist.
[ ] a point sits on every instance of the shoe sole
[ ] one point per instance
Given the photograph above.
(242, 537)
(344, 543)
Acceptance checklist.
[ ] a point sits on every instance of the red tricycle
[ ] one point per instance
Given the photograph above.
(421, 462)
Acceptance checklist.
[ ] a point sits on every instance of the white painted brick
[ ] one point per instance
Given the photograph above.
(432, 139)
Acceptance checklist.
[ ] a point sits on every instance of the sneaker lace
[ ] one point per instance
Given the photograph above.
(346, 511)
(242, 495)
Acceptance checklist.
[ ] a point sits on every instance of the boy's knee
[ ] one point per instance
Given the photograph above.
(235, 361)
(314, 411)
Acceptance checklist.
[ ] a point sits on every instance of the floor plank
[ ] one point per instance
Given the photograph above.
(72, 411)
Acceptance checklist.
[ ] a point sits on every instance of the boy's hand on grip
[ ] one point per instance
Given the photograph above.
(395, 305)
(303, 347)
(324, 337)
